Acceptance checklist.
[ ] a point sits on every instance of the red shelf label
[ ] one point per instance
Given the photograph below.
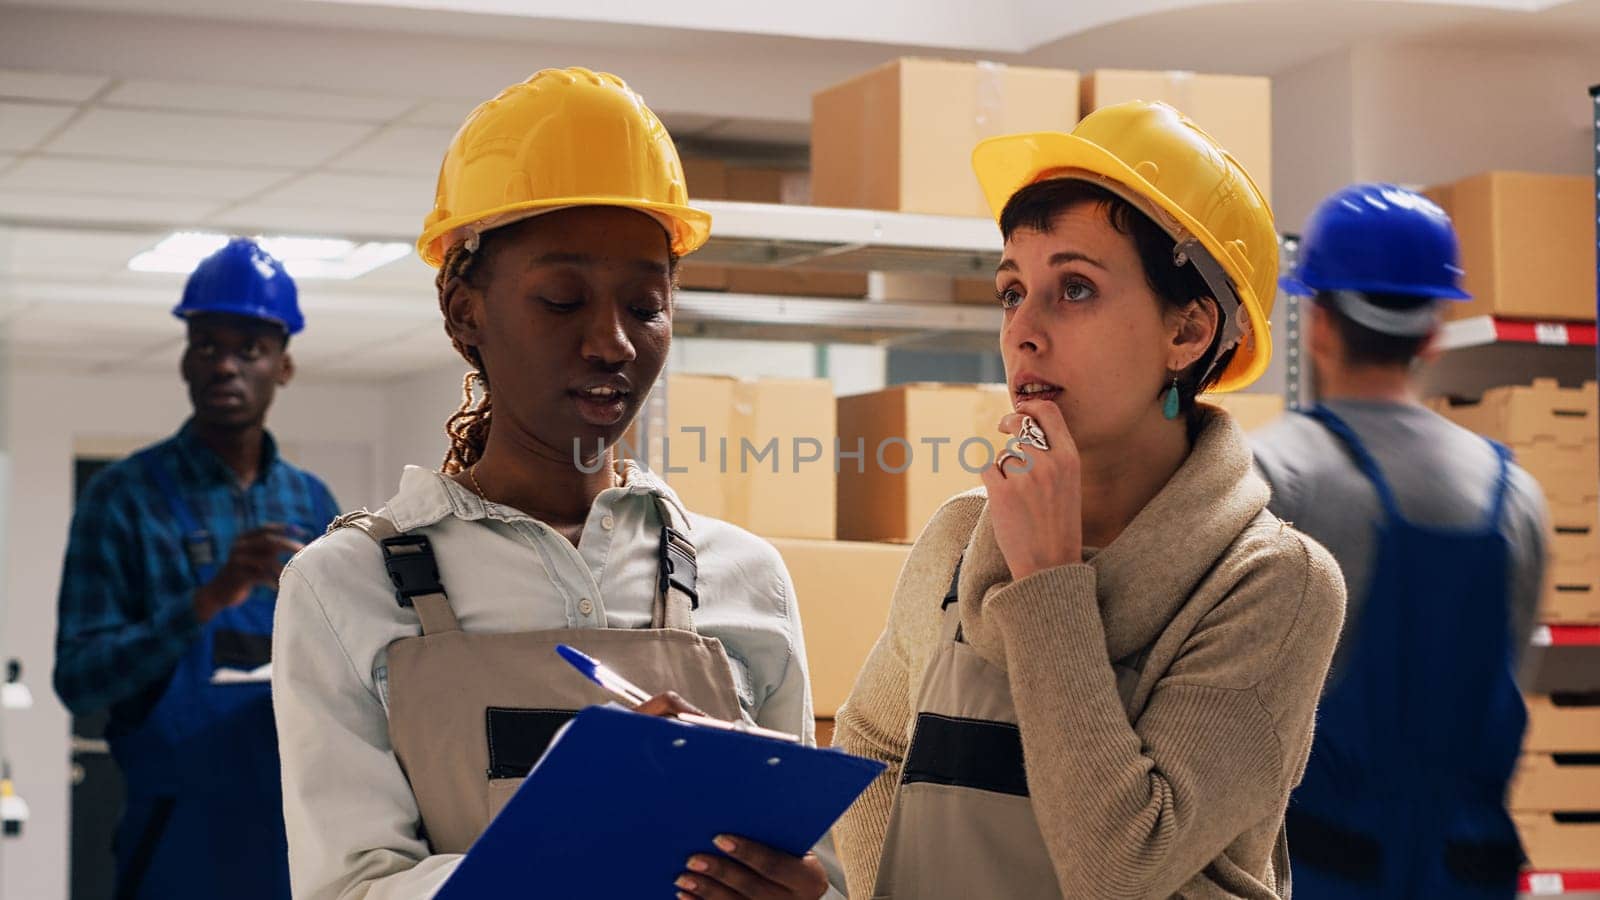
(1545, 884)
(1554, 334)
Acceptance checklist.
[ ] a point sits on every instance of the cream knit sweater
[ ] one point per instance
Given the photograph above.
(1180, 790)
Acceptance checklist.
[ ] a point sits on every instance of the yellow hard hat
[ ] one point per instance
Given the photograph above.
(563, 138)
(1153, 156)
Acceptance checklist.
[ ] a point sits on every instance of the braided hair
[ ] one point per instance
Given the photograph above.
(468, 428)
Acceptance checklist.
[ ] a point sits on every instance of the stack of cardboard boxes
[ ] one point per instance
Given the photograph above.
(1527, 244)
(711, 179)
(1553, 431)
(900, 137)
(840, 487)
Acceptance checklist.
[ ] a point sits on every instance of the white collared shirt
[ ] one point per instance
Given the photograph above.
(350, 814)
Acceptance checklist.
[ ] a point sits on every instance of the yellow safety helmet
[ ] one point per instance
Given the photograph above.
(563, 138)
(1153, 156)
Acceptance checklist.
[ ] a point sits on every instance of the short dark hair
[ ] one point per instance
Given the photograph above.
(1366, 347)
(1037, 207)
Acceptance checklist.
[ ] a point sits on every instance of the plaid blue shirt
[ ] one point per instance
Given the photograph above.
(127, 592)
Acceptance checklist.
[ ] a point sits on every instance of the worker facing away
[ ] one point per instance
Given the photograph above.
(1441, 540)
(168, 594)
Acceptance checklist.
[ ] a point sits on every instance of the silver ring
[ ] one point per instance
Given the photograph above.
(1031, 434)
(1000, 464)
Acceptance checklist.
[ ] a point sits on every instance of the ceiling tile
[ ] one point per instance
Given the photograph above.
(22, 125)
(384, 193)
(247, 101)
(56, 207)
(49, 85)
(443, 113)
(59, 251)
(182, 137)
(331, 221)
(47, 173)
(414, 152)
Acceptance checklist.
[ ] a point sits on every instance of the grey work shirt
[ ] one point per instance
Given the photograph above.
(1442, 475)
(351, 818)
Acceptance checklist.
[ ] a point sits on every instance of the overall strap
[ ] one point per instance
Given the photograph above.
(676, 593)
(1363, 459)
(196, 539)
(1502, 486)
(412, 567)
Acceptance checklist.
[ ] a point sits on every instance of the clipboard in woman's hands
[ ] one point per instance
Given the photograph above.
(621, 800)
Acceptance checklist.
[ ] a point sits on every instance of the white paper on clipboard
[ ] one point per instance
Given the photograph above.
(242, 676)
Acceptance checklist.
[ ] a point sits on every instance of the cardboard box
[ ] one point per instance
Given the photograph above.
(1565, 474)
(1521, 414)
(707, 178)
(975, 291)
(693, 276)
(797, 282)
(1234, 109)
(900, 137)
(760, 184)
(1565, 723)
(748, 467)
(843, 590)
(1527, 244)
(1571, 593)
(1561, 668)
(1544, 784)
(825, 732)
(1553, 844)
(1251, 411)
(923, 444)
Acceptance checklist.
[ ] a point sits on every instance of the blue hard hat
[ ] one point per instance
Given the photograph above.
(1378, 239)
(242, 279)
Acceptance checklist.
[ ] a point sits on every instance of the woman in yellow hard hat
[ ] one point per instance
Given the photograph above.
(414, 666)
(1098, 676)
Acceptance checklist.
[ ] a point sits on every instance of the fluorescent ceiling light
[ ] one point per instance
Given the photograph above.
(305, 257)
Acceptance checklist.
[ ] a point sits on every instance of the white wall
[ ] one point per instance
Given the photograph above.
(329, 428)
(1422, 114)
(1313, 120)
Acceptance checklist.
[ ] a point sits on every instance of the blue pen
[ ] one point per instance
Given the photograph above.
(607, 677)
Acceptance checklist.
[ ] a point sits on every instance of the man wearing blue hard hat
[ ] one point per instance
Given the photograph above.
(168, 594)
(1441, 538)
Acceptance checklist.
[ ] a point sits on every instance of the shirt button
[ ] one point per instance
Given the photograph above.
(608, 523)
(586, 607)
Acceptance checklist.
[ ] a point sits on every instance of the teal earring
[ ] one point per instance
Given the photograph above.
(1170, 407)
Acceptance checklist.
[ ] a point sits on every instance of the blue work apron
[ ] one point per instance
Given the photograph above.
(204, 817)
(1418, 734)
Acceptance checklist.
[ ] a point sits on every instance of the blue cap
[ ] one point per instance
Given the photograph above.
(1378, 239)
(242, 279)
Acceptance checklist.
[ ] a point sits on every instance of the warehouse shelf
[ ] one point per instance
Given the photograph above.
(767, 317)
(1566, 636)
(1485, 352)
(1552, 884)
(855, 240)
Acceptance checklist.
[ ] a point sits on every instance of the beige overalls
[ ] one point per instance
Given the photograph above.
(963, 825)
(469, 714)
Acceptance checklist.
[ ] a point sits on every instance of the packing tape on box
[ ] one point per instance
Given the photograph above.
(1180, 91)
(989, 115)
(735, 481)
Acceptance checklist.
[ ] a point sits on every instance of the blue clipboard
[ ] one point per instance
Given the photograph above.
(621, 800)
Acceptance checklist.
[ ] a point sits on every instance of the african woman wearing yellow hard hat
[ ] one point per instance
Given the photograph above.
(415, 672)
(1099, 674)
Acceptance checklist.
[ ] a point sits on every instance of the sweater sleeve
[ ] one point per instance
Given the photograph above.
(1139, 809)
